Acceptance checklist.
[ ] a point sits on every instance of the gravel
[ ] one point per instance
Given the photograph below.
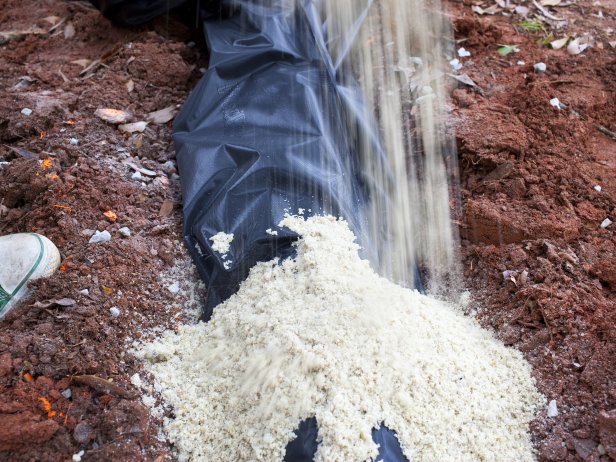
(100, 236)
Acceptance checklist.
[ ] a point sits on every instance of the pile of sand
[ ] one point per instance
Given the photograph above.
(323, 335)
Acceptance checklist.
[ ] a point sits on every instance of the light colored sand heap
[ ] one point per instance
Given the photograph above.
(323, 335)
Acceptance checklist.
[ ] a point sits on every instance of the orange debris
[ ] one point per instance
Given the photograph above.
(47, 406)
(112, 216)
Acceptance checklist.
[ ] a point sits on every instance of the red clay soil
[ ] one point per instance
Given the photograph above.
(540, 267)
(541, 270)
(50, 405)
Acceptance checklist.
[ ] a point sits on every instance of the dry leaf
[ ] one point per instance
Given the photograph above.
(165, 209)
(142, 170)
(114, 116)
(82, 62)
(9, 35)
(546, 13)
(22, 152)
(463, 78)
(558, 44)
(101, 385)
(91, 67)
(132, 128)
(577, 46)
(52, 302)
(494, 9)
(162, 116)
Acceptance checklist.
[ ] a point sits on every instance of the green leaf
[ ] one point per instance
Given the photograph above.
(504, 50)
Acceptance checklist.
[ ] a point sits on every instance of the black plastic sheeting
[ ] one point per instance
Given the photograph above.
(269, 130)
(305, 445)
(264, 133)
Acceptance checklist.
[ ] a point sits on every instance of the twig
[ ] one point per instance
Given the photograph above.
(546, 13)
(101, 385)
(606, 132)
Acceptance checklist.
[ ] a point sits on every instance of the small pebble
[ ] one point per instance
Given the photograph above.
(67, 393)
(455, 64)
(26, 111)
(605, 223)
(555, 102)
(74, 141)
(100, 237)
(124, 231)
(463, 53)
(597, 188)
(520, 63)
(174, 288)
(115, 312)
(552, 408)
(82, 433)
(136, 176)
(85, 292)
(540, 67)
(77, 457)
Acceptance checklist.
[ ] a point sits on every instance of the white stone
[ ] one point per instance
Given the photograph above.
(605, 223)
(455, 64)
(597, 188)
(99, 236)
(115, 312)
(136, 176)
(552, 408)
(174, 288)
(540, 67)
(124, 231)
(26, 111)
(463, 53)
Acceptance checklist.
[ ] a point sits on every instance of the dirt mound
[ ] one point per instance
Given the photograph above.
(536, 186)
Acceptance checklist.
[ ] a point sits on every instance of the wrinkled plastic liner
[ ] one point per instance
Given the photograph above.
(264, 133)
